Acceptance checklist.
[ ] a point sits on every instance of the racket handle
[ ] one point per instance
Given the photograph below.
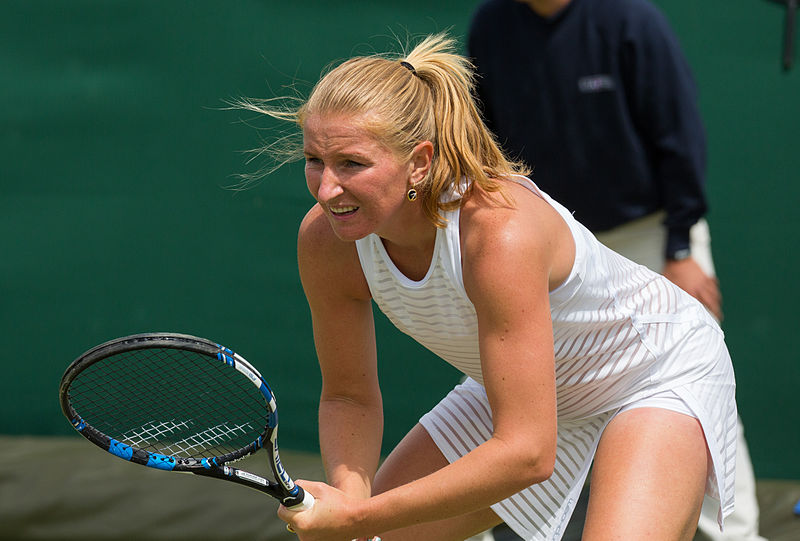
(306, 503)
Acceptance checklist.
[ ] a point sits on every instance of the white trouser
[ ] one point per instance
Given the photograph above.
(645, 242)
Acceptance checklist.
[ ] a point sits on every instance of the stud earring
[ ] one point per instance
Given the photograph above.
(411, 194)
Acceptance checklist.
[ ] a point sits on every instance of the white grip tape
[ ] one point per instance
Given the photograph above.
(307, 503)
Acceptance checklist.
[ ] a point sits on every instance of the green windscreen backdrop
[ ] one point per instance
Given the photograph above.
(117, 146)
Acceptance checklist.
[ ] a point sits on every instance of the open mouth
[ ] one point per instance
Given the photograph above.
(343, 211)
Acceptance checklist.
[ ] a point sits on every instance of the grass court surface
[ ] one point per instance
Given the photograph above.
(65, 488)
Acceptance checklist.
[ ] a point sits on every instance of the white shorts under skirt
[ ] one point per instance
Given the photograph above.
(462, 421)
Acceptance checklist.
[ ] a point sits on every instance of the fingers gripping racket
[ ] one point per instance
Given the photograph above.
(179, 403)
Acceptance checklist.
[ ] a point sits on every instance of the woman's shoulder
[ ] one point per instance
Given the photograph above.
(515, 205)
(314, 228)
(518, 226)
(326, 259)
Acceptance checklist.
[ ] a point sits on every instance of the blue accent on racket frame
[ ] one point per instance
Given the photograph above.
(120, 449)
(161, 462)
(225, 355)
(225, 359)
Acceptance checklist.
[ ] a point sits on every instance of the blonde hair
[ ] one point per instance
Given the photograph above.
(426, 95)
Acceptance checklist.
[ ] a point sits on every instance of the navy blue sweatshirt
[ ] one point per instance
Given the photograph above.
(599, 100)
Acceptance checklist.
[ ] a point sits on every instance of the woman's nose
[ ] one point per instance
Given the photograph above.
(329, 187)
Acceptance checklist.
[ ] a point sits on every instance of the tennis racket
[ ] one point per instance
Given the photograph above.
(178, 403)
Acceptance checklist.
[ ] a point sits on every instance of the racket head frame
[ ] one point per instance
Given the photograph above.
(285, 490)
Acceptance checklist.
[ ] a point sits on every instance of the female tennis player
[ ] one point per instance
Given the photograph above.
(574, 355)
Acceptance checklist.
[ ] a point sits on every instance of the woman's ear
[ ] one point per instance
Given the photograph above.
(420, 162)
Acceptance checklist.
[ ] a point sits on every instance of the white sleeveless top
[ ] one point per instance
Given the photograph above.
(606, 316)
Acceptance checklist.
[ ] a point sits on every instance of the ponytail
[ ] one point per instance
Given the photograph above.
(465, 148)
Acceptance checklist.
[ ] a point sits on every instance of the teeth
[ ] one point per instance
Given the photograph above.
(342, 210)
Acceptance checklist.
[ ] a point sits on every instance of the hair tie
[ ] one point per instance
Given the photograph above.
(408, 66)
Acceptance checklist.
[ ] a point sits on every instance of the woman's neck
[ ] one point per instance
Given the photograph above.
(412, 251)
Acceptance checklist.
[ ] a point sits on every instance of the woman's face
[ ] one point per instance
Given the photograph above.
(359, 183)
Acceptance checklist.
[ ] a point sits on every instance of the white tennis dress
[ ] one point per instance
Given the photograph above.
(622, 334)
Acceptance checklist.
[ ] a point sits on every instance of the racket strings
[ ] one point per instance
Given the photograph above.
(172, 402)
(196, 443)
